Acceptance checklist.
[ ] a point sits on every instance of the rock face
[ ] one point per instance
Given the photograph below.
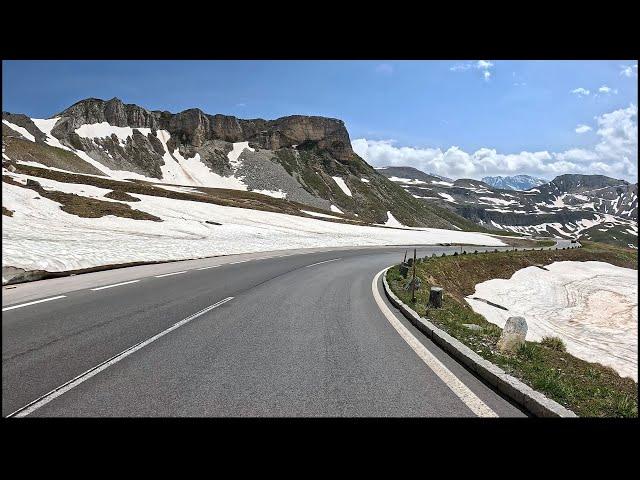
(513, 335)
(194, 127)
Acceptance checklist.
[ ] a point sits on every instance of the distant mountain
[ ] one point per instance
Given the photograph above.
(587, 206)
(515, 182)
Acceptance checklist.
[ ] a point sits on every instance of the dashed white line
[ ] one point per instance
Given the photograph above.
(463, 392)
(206, 268)
(114, 285)
(169, 274)
(326, 261)
(32, 303)
(92, 372)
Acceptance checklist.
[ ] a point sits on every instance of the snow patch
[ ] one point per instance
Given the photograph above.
(318, 214)
(343, 186)
(592, 306)
(392, 222)
(21, 130)
(447, 197)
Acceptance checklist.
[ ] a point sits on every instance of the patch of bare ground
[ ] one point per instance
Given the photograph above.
(84, 206)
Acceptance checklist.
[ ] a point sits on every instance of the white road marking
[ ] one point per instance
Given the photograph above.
(463, 392)
(114, 285)
(169, 274)
(32, 303)
(326, 261)
(92, 372)
(205, 268)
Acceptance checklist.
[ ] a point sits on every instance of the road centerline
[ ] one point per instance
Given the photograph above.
(32, 303)
(463, 392)
(169, 274)
(113, 285)
(92, 372)
(326, 261)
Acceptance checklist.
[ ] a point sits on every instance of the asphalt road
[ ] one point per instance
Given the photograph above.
(295, 333)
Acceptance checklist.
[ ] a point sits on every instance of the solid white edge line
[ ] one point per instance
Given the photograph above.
(169, 274)
(32, 303)
(463, 392)
(326, 261)
(83, 377)
(114, 285)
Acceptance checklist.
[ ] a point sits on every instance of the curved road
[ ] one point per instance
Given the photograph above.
(297, 333)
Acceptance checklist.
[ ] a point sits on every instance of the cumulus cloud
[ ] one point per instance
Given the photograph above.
(606, 90)
(614, 155)
(629, 70)
(582, 128)
(581, 92)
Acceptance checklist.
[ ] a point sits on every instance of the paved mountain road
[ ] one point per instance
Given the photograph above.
(300, 334)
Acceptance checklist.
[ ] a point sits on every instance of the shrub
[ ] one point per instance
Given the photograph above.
(554, 343)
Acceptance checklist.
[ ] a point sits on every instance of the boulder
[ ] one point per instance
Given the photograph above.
(513, 335)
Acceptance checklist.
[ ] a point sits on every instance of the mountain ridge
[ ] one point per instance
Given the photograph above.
(305, 159)
(594, 207)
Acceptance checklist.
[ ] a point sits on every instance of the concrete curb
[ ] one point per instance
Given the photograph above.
(533, 401)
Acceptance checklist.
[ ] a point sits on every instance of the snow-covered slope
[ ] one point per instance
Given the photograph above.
(38, 235)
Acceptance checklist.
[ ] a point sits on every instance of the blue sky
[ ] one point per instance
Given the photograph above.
(426, 108)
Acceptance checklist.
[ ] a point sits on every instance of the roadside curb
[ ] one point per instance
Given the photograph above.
(533, 401)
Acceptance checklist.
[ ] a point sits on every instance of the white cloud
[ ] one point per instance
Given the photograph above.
(629, 70)
(606, 90)
(581, 92)
(582, 128)
(484, 66)
(614, 155)
(384, 68)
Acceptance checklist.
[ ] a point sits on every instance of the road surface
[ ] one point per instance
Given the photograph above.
(297, 333)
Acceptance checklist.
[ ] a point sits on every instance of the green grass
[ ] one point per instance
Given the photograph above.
(589, 389)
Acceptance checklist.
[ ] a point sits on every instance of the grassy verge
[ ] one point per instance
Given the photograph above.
(589, 389)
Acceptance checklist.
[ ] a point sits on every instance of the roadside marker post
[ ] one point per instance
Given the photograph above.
(413, 282)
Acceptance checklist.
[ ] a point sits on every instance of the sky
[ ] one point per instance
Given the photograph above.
(453, 118)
